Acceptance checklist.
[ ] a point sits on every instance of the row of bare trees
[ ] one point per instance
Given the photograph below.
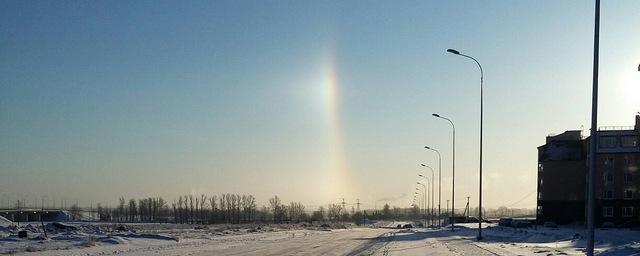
(235, 208)
(202, 209)
(226, 208)
(152, 209)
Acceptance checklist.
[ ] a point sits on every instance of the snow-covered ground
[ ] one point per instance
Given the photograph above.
(510, 241)
(169, 239)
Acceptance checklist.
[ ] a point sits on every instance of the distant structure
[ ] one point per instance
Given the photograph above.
(34, 215)
(562, 177)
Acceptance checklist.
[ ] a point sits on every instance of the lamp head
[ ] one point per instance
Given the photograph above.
(436, 115)
(427, 147)
(453, 51)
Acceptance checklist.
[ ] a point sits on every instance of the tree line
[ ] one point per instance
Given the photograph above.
(236, 208)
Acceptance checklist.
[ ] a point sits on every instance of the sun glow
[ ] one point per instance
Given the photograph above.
(630, 88)
(338, 171)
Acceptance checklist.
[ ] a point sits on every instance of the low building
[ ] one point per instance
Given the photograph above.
(35, 215)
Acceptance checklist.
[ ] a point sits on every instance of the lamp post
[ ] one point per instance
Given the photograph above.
(447, 206)
(439, 182)
(426, 198)
(432, 193)
(591, 203)
(453, 154)
(481, 111)
(418, 194)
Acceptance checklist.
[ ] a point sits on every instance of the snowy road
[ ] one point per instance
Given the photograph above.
(357, 241)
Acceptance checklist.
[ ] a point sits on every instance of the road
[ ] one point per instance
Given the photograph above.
(358, 241)
(350, 242)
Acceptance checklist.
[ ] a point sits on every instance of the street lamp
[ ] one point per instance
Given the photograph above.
(453, 173)
(426, 198)
(432, 188)
(591, 189)
(481, 110)
(418, 194)
(439, 182)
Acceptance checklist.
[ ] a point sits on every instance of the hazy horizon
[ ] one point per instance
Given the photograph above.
(310, 101)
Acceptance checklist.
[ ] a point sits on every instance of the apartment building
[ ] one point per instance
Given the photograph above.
(562, 177)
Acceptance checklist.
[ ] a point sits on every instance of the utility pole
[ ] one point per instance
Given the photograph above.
(447, 209)
(358, 204)
(591, 203)
(468, 209)
(41, 221)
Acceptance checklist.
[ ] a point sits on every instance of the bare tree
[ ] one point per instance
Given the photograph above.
(334, 212)
(212, 203)
(276, 208)
(121, 209)
(142, 209)
(319, 214)
(296, 212)
(196, 209)
(175, 212)
(249, 208)
(181, 202)
(203, 202)
(223, 207)
(75, 212)
(132, 210)
(191, 206)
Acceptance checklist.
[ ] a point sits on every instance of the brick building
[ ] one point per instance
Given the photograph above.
(562, 177)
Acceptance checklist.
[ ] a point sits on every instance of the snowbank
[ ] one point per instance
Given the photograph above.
(5, 222)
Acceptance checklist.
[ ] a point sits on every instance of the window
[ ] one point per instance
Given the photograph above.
(609, 161)
(628, 194)
(607, 194)
(539, 195)
(629, 141)
(608, 142)
(627, 211)
(608, 178)
(628, 177)
(607, 211)
(540, 168)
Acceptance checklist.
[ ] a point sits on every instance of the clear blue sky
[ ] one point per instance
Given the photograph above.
(101, 99)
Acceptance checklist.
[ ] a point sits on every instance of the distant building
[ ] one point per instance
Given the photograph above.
(34, 215)
(562, 177)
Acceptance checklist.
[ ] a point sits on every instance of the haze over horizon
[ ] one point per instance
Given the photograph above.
(310, 101)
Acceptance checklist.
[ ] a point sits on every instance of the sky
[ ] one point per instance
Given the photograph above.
(313, 101)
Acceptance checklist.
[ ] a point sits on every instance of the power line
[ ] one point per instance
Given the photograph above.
(521, 199)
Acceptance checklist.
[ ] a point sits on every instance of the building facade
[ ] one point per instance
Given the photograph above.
(562, 177)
